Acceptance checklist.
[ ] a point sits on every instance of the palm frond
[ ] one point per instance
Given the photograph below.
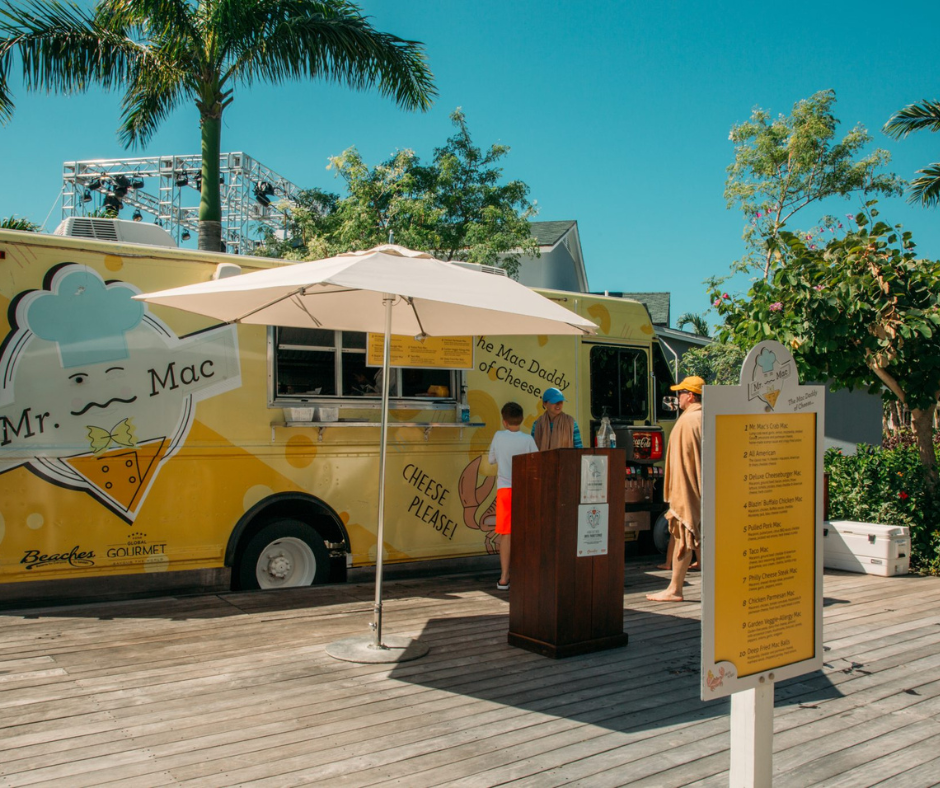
(276, 40)
(925, 189)
(914, 117)
(63, 47)
(6, 98)
(698, 322)
(160, 19)
(156, 89)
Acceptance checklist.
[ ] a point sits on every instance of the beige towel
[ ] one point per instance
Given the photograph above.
(683, 482)
(559, 435)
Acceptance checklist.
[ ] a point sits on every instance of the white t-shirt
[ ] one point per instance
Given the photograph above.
(504, 447)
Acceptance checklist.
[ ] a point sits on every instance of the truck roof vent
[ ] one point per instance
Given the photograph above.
(114, 230)
(486, 269)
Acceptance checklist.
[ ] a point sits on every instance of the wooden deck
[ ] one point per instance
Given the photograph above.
(229, 689)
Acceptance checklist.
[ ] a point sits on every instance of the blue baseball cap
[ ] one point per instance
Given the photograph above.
(552, 396)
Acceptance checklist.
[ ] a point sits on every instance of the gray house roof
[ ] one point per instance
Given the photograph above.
(550, 233)
(561, 262)
(657, 304)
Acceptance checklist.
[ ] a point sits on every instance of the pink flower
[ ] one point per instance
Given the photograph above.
(759, 214)
(818, 287)
(726, 297)
(777, 306)
(717, 302)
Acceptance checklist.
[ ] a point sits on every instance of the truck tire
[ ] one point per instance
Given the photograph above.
(661, 534)
(285, 553)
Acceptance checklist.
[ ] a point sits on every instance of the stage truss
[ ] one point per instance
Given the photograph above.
(165, 190)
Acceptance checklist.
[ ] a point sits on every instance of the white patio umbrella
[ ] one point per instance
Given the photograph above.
(388, 290)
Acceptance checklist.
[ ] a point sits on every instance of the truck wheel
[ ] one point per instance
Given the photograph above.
(661, 534)
(284, 554)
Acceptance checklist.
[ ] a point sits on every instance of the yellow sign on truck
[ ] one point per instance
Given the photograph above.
(137, 440)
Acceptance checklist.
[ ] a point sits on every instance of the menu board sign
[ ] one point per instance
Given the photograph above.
(427, 353)
(767, 548)
(762, 526)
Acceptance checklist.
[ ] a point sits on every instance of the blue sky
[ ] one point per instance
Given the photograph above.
(617, 114)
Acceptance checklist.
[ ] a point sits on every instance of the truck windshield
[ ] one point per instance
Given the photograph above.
(620, 382)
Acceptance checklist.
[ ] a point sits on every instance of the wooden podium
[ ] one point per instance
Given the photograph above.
(562, 603)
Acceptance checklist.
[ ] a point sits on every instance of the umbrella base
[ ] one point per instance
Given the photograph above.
(394, 648)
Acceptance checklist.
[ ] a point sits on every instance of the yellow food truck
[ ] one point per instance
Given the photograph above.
(155, 449)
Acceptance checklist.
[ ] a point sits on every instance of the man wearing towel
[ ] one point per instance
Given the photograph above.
(683, 485)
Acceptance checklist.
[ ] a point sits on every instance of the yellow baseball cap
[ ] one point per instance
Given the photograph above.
(692, 383)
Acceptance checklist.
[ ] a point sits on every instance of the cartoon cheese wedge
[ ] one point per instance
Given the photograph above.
(121, 475)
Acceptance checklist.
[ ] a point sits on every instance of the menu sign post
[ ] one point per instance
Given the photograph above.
(762, 524)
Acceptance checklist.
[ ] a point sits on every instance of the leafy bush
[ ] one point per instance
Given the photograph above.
(887, 485)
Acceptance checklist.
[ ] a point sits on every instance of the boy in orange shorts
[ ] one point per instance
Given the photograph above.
(507, 443)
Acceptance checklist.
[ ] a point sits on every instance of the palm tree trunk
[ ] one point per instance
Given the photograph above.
(210, 199)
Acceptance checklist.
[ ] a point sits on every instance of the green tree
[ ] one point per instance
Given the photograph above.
(16, 223)
(718, 363)
(163, 53)
(925, 188)
(458, 207)
(781, 166)
(698, 322)
(864, 311)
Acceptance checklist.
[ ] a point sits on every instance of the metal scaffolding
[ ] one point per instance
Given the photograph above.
(165, 190)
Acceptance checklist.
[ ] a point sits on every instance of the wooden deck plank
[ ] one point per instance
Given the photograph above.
(229, 688)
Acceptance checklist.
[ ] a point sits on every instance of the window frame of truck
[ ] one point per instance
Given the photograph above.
(352, 345)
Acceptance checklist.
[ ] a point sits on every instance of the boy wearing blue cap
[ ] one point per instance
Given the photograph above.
(554, 429)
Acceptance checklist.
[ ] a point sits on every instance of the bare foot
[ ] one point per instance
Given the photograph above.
(694, 567)
(664, 596)
(667, 567)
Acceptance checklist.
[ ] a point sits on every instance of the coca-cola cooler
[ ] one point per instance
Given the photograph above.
(643, 487)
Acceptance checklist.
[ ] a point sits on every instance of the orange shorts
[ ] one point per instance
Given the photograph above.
(504, 510)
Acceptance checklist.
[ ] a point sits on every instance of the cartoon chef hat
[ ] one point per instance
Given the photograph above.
(86, 318)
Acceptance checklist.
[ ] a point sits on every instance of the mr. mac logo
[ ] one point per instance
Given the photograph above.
(96, 393)
(769, 376)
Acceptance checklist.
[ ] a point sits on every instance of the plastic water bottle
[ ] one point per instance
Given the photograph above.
(612, 440)
(604, 433)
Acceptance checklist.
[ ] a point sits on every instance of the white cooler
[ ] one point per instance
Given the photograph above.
(867, 547)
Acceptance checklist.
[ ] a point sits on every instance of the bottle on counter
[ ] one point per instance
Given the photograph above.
(604, 433)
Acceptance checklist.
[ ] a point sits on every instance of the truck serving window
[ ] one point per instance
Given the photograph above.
(620, 383)
(318, 363)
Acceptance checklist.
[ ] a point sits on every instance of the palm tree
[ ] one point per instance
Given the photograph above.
(925, 188)
(698, 323)
(17, 223)
(163, 53)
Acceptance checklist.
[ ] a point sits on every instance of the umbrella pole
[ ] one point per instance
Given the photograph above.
(372, 648)
(387, 300)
